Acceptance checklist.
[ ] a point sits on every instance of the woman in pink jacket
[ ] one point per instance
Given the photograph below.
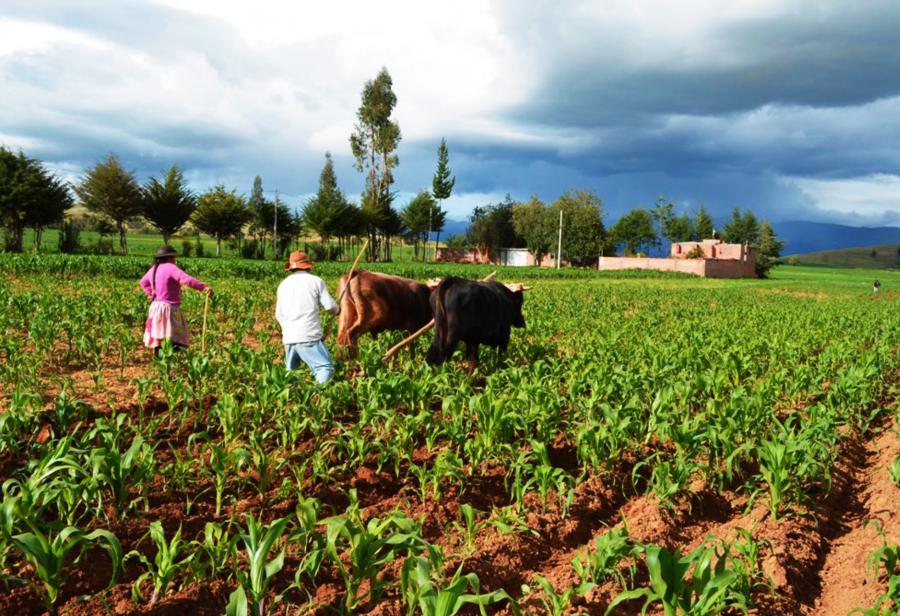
(162, 284)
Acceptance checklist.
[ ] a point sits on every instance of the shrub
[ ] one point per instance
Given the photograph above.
(186, 248)
(457, 241)
(250, 249)
(69, 241)
(695, 253)
(317, 252)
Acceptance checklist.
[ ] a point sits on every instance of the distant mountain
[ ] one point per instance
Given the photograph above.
(800, 236)
(453, 227)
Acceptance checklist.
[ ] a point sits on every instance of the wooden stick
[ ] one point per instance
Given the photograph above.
(422, 330)
(352, 268)
(203, 332)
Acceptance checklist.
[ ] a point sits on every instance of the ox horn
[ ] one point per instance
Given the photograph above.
(517, 286)
(406, 341)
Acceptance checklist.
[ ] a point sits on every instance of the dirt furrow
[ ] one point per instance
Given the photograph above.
(844, 580)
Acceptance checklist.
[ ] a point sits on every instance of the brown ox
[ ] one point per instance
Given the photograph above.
(374, 303)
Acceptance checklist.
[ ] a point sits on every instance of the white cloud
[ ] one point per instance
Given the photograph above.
(19, 36)
(872, 198)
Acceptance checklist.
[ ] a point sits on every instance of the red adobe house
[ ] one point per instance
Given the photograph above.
(708, 258)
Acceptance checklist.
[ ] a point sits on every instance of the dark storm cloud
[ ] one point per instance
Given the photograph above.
(730, 115)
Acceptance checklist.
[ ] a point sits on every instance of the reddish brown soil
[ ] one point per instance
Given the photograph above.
(816, 562)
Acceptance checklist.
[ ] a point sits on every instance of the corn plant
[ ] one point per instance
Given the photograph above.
(668, 477)
(368, 548)
(470, 526)
(224, 464)
(895, 471)
(56, 481)
(120, 472)
(47, 551)
(213, 552)
(265, 463)
(509, 521)
(602, 563)
(426, 595)
(307, 537)
(170, 560)
(886, 558)
(555, 603)
(253, 584)
(712, 587)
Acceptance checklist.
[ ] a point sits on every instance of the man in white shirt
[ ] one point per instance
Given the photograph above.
(300, 296)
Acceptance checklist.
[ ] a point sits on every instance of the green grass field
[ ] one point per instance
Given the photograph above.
(146, 244)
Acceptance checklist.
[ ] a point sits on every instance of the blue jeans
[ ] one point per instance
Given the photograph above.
(314, 355)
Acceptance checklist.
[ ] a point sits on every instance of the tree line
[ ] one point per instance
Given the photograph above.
(33, 197)
(534, 225)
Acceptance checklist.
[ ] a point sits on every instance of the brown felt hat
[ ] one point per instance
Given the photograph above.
(165, 251)
(298, 260)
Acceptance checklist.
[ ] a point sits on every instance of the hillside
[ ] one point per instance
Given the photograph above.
(880, 256)
(802, 237)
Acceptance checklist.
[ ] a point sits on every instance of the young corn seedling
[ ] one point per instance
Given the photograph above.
(47, 552)
(57, 481)
(548, 479)
(170, 560)
(424, 594)
(602, 563)
(265, 463)
(120, 472)
(253, 584)
(470, 526)
(225, 465)
(887, 557)
(311, 542)
(510, 521)
(555, 604)
(368, 547)
(712, 587)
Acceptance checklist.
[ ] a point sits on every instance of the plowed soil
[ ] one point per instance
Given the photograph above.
(816, 561)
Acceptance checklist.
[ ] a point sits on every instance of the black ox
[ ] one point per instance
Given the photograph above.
(475, 313)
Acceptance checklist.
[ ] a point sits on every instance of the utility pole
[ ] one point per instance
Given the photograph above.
(559, 245)
(275, 230)
(427, 237)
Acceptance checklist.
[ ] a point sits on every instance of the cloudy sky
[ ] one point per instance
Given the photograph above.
(791, 108)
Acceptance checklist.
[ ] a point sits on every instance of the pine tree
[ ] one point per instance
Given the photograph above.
(30, 196)
(742, 228)
(769, 249)
(110, 190)
(168, 205)
(323, 212)
(441, 188)
(703, 225)
(221, 214)
(262, 216)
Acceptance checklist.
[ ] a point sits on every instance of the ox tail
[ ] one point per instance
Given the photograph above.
(348, 314)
